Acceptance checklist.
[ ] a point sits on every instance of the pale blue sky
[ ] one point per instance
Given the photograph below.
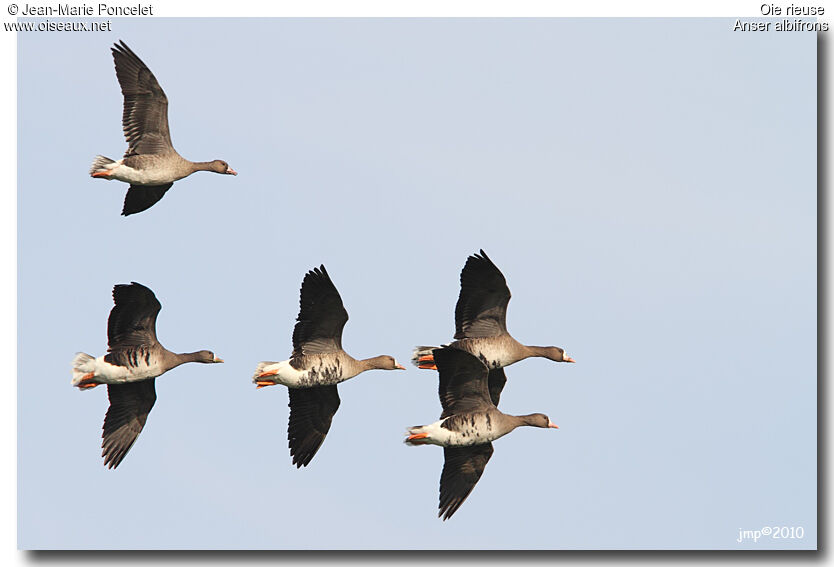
(648, 188)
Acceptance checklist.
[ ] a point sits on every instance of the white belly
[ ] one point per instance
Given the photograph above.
(321, 371)
(106, 373)
(284, 373)
(476, 434)
(140, 176)
(494, 357)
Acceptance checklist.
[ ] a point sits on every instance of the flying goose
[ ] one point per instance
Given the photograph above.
(150, 164)
(317, 364)
(469, 424)
(133, 361)
(481, 325)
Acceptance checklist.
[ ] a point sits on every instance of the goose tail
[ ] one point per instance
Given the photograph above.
(101, 165)
(422, 357)
(416, 435)
(266, 374)
(82, 365)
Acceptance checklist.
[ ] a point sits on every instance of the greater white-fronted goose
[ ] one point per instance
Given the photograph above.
(150, 164)
(481, 325)
(317, 364)
(133, 361)
(469, 424)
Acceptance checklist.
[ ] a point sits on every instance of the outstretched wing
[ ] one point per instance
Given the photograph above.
(142, 197)
(463, 382)
(130, 405)
(311, 413)
(321, 316)
(462, 469)
(145, 114)
(481, 310)
(132, 321)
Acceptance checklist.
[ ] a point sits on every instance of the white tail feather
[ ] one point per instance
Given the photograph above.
(260, 369)
(414, 431)
(421, 351)
(82, 364)
(100, 164)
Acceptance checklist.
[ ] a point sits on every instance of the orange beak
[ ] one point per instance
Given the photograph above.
(400, 367)
(569, 359)
(553, 425)
(231, 171)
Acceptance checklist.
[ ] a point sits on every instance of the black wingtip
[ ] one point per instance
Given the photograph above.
(134, 291)
(117, 289)
(112, 463)
(476, 258)
(121, 47)
(132, 283)
(112, 457)
(449, 510)
(317, 273)
(132, 210)
(302, 460)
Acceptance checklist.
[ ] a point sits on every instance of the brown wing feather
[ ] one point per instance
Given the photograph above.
(132, 321)
(130, 405)
(321, 316)
(463, 382)
(311, 413)
(462, 469)
(145, 114)
(481, 310)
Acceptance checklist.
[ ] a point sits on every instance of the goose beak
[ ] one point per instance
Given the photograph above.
(399, 367)
(231, 171)
(569, 359)
(217, 359)
(552, 425)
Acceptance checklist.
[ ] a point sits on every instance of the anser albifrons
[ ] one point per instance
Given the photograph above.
(133, 361)
(481, 325)
(469, 424)
(150, 164)
(317, 364)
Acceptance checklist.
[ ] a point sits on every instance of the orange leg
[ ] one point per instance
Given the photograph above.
(417, 436)
(87, 381)
(264, 383)
(426, 362)
(107, 173)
